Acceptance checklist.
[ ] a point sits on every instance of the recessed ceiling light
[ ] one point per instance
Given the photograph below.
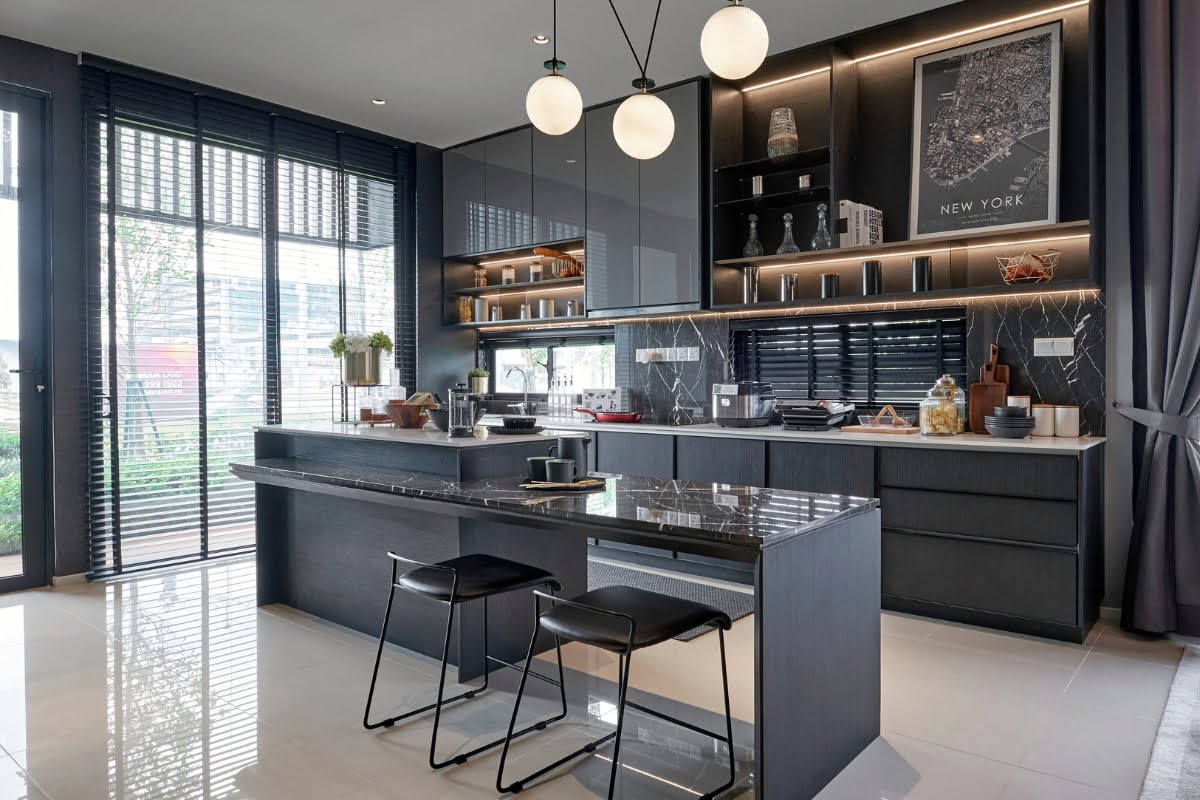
(541, 38)
(379, 101)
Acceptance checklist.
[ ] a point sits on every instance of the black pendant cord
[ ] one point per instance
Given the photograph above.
(641, 66)
(554, 36)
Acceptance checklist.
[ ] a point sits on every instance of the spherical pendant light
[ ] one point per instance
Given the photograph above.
(643, 126)
(554, 104)
(734, 41)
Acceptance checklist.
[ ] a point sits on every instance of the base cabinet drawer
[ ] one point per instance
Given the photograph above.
(832, 468)
(1017, 519)
(1018, 581)
(709, 459)
(648, 455)
(1008, 474)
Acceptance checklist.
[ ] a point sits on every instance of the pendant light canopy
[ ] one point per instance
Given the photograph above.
(643, 125)
(553, 103)
(734, 41)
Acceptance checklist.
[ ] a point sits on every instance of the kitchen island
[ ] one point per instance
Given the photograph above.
(330, 504)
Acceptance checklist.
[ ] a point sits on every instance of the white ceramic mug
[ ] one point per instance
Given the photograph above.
(1043, 416)
(1066, 421)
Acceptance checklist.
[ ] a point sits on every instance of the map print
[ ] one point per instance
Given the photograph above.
(987, 135)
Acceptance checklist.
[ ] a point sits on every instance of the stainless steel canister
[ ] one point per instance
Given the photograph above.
(787, 287)
(750, 284)
(546, 308)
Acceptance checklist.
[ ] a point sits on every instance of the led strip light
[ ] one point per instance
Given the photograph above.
(906, 253)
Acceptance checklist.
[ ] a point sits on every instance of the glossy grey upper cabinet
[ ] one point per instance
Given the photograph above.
(464, 221)
(508, 189)
(670, 208)
(613, 217)
(558, 185)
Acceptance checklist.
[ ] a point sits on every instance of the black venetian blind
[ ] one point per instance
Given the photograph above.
(867, 360)
(228, 242)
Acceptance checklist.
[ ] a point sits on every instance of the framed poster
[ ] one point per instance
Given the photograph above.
(986, 135)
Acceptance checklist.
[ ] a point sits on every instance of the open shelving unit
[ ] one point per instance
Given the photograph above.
(458, 281)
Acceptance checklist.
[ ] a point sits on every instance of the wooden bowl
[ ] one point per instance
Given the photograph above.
(407, 416)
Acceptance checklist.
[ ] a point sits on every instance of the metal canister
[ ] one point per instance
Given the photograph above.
(481, 309)
(830, 285)
(872, 278)
(574, 308)
(546, 308)
(495, 313)
(922, 273)
(526, 311)
(756, 185)
(787, 287)
(749, 284)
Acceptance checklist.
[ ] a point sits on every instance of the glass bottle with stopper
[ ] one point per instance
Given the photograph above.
(821, 240)
(789, 243)
(753, 246)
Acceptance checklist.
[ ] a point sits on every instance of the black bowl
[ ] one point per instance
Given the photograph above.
(1011, 411)
(1007, 433)
(520, 423)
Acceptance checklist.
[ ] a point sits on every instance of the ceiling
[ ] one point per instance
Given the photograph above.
(450, 70)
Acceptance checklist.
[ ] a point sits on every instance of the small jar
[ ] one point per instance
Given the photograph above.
(508, 274)
(944, 409)
(535, 271)
(480, 277)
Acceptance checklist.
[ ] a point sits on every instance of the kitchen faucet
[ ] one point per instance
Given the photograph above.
(524, 408)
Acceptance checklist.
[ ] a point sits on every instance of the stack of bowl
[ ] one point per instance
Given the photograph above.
(1009, 422)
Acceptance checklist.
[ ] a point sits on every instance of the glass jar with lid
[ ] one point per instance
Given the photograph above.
(944, 409)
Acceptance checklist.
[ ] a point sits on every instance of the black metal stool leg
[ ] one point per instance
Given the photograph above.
(621, 694)
(387, 615)
(728, 725)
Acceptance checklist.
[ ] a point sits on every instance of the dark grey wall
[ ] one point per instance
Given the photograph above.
(32, 66)
(444, 355)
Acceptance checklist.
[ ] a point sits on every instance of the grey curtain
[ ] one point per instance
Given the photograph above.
(1154, 173)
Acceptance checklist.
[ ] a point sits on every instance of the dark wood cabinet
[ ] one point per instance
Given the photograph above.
(669, 251)
(635, 454)
(704, 459)
(644, 221)
(833, 468)
(613, 217)
(464, 228)
(559, 164)
(508, 189)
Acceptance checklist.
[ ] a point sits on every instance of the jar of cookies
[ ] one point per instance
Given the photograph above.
(944, 409)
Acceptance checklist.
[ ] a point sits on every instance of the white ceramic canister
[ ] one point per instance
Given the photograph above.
(1066, 421)
(1043, 417)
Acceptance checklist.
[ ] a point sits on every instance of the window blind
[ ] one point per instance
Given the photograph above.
(227, 244)
(869, 361)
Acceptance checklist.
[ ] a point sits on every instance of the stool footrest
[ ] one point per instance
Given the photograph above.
(590, 747)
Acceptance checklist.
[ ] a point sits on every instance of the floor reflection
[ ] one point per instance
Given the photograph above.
(176, 640)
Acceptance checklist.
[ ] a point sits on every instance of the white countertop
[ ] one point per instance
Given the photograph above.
(428, 435)
(963, 441)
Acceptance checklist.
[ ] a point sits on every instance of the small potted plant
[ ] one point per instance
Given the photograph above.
(361, 355)
(478, 378)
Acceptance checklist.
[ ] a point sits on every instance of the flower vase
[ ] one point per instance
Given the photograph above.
(362, 368)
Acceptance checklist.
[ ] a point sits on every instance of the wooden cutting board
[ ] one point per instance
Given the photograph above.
(984, 396)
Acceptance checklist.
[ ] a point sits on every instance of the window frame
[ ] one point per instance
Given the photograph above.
(487, 347)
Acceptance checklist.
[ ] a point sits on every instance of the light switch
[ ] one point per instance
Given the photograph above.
(1042, 347)
(1064, 346)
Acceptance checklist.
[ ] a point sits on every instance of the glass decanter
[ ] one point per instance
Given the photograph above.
(821, 240)
(753, 246)
(789, 244)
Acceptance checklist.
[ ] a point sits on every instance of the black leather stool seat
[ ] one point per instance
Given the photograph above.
(479, 575)
(657, 617)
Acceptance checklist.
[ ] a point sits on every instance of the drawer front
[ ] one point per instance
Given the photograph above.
(1003, 579)
(1019, 520)
(832, 468)
(1009, 474)
(709, 459)
(646, 454)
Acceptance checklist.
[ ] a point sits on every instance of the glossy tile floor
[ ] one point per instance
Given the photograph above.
(177, 686)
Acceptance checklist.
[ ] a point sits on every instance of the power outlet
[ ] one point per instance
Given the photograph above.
(1059, 346)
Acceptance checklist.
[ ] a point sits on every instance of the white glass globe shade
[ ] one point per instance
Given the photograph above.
(643, 126)
(553, 104)
(734, 42)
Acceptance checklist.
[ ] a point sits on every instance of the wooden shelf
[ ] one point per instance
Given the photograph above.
(527, 287)
(794, 197)
(515, 252)
(516, 322)
(805, 159)
(1034, 235)
(989, 290)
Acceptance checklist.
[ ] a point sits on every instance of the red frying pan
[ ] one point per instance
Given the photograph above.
(612, 416)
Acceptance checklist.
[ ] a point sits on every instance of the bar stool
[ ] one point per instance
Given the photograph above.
(622, 619)
(455, 581)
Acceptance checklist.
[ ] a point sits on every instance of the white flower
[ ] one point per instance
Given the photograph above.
(357, 343)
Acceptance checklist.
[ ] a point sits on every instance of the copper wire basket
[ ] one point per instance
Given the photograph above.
(1028, 266)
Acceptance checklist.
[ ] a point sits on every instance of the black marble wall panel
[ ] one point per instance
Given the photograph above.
(679, 392)
(673, 392)
(1014, 322)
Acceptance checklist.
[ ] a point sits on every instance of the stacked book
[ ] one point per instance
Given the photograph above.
(859, 224)
(813, 415)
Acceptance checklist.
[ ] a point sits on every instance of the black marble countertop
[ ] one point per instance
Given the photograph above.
(710, 512)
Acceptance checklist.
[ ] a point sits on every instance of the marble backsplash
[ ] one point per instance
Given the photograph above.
(680, 392)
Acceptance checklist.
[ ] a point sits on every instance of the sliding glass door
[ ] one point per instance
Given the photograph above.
(24, 557)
